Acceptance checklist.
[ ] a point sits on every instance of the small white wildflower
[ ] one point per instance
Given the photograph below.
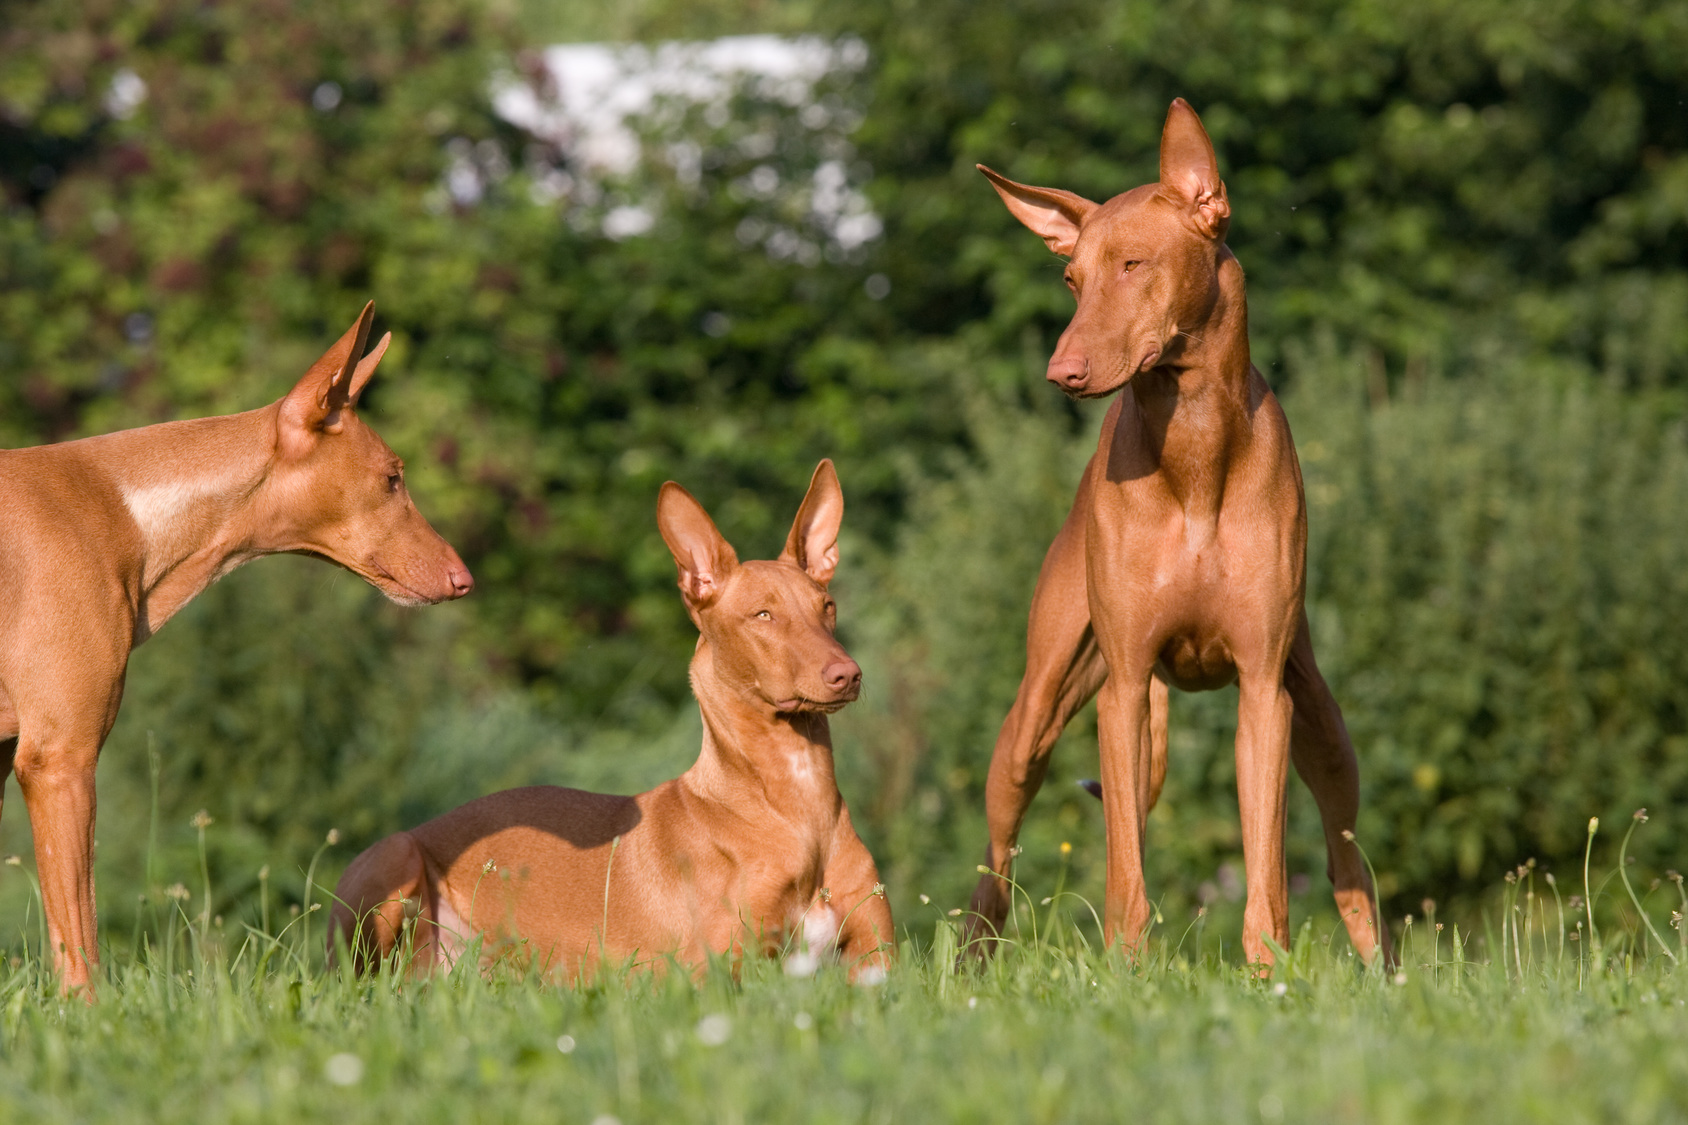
(714, 1030)
(565, 1044)
(343, 1069)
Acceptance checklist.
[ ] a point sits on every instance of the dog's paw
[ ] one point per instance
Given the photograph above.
(871, 977)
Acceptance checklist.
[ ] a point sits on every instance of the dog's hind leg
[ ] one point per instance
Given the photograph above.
(1324, 757)
(1064, 669)
(383, 888)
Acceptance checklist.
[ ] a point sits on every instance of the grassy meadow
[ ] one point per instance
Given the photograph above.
(1545, 1011)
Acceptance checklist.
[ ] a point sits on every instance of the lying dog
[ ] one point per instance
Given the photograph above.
(749, 851)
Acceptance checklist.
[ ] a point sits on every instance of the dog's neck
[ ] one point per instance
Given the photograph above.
(1194, 414)
(756, 760)
(191, 488)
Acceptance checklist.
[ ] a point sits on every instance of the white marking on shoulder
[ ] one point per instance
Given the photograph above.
(156, 508)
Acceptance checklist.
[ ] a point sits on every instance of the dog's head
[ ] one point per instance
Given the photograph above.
(337, 491)
(1144, 266)
(768, 625)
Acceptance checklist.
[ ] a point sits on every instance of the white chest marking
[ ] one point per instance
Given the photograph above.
(817, 941)
(820, 928)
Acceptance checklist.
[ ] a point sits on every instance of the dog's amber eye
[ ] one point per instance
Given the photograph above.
(1129, 266)
(764, 615)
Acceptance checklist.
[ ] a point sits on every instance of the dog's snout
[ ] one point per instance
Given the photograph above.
(1069, 372)
(842, 676)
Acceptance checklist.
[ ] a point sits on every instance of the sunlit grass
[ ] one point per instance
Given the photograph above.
(1526, 1013)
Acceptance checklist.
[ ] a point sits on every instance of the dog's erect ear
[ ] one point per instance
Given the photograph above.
(1189, 171)
(315, 404)
(813, 542)
(1050, 213)
(366, 367)
(705, 558)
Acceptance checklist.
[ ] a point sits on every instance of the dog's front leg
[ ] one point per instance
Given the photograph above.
(57, 781)
(866, 939)
(1127, 748)
(1264, 715)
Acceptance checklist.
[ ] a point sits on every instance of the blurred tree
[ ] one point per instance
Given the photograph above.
(1432, 180)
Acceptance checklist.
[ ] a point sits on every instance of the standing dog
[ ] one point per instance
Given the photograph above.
(1183, 560)
(102, 540)
(750, 850)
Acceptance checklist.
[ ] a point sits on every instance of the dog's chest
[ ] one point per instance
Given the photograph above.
(1179, 590)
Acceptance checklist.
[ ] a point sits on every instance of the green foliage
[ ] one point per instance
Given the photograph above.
(1434, 180)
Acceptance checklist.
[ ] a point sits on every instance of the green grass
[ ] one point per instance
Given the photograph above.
(200, 1022)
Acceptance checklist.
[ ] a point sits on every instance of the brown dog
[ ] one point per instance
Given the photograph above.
(102, 540)
(1183, 559)
(750, 850)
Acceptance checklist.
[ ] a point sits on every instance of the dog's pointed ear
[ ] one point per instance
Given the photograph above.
(813, 542)
(1050, 213)
(1189, 171)
(366, 367)
(704, 556)
(316, 403)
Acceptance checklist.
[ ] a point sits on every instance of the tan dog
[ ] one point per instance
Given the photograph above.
(1183, 559)
(749, 851)
(102, 540)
